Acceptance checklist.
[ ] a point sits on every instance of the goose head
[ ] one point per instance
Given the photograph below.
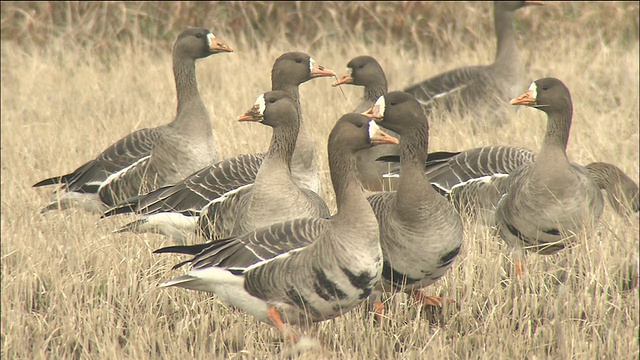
(297, 68)
(396, 111)
(198, 43)
(363, 71)
(273, 108)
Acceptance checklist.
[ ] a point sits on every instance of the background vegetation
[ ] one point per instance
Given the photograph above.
(78, 76)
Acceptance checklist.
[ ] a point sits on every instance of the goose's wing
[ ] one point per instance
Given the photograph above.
(125, 183)
(241, 252)
(126, 151)
(189, 196)
(218, 218)
(479, 164)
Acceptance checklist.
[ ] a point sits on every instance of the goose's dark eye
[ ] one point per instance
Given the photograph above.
(199, 35)
(360, 67)
(393, 103)
(359, 125)
(272, 100)
(545, 88)
(298, 60)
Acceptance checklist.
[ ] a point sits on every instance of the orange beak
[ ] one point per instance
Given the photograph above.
(373, 113)
(344, 79)
(252, 114)
(218, 46)
(380, 137)
(524, 99)
(321, 71)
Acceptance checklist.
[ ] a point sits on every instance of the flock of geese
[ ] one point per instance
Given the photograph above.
(270, 245)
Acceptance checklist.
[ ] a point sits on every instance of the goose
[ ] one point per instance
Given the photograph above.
(273, 196)
(550, 201)
(173, 211)
(366, 71)
(475, 179)
(166, 153)
(483, 89)
(302, 270)
(420, 230)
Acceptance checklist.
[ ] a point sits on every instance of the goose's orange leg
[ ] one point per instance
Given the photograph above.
(425, 299)
(378, 309)
(275, 318)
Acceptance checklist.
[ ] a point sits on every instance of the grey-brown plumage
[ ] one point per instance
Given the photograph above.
(191, 127)
(551, 200)
(420, 231)
(482, 91)
(173, 211)
(620, 190)
(307, 269)
(365, 71)
(273, 196)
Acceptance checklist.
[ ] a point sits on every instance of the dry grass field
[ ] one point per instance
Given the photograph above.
(71, 289)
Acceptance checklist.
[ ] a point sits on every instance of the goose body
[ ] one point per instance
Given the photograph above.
(420, 231)
(550, 201)
(154, 156)
(475, 179)
(174, 211)
(483, 89)
(273, 196)
(307, 269)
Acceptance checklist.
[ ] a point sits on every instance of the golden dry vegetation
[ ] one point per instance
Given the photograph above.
(77, 77)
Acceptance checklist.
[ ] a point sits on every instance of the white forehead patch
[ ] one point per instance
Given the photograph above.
(311, 62)
(373, 128)
(350, 70)
(261, 104)
(534, 90)
(210, 38)
(380, 104)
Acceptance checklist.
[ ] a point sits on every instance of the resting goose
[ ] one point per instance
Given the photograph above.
(420, 231)
(173, 211)
(366, 71)
(307, 269)
(482, 89)
(273, 196)
(179, 148)
(550, 201)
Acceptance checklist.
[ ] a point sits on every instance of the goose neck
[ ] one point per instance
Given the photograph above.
(507, 49)
(558, 128)
(373, 92)
(414, 183)
(184, 72)
(346, 185)
(282, 145)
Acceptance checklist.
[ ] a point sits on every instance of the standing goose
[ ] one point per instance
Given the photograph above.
(174, 210)
(273, 196)
(179, 148)
(366, 71)
(549, 201)
(302, 270)
(420, 231)
(481, 89)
